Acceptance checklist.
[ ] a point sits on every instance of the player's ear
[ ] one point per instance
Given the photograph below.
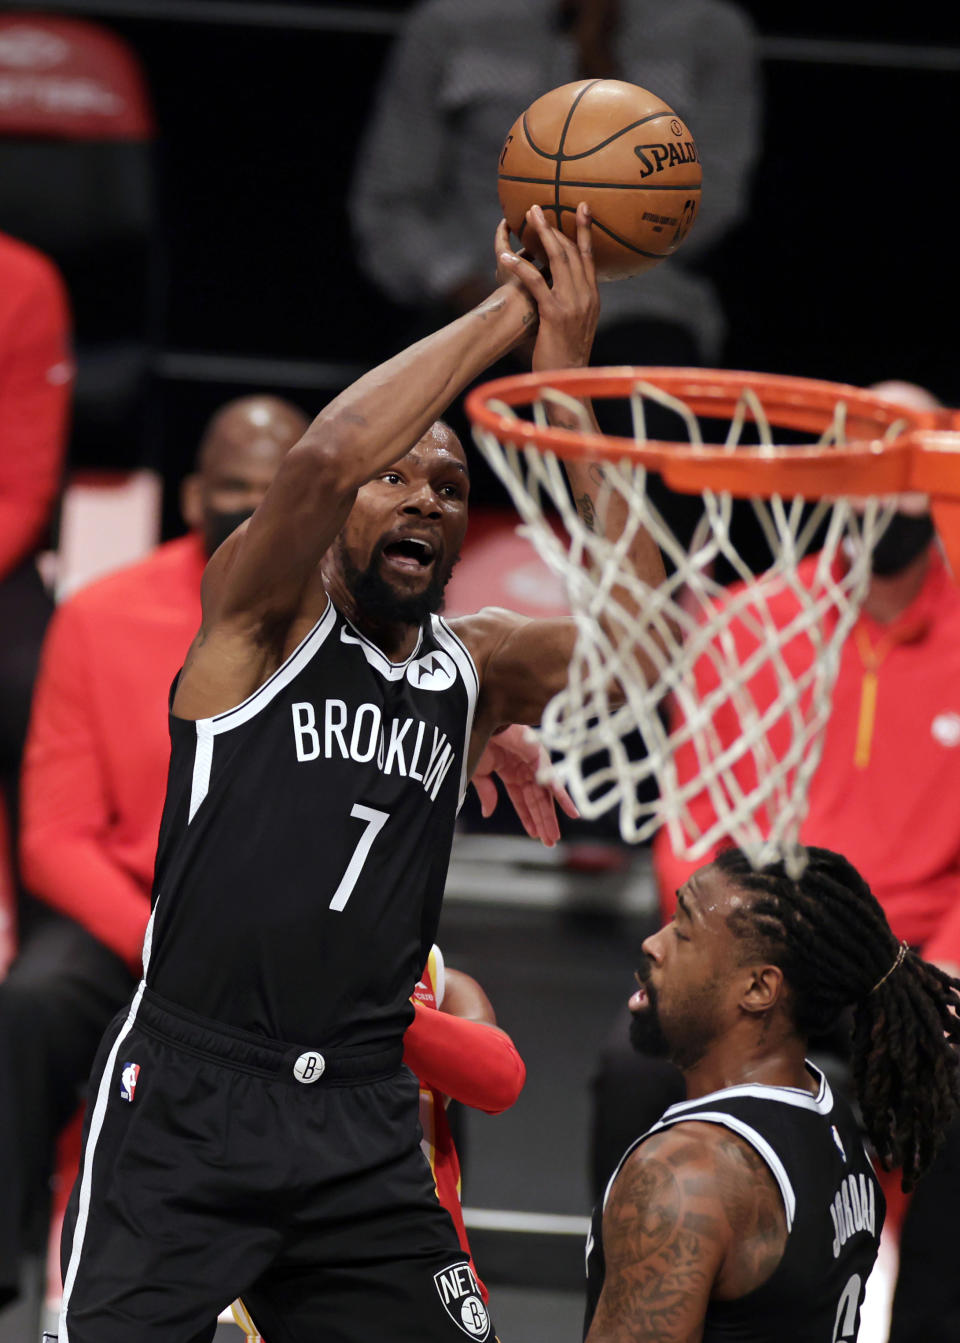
(763, 988)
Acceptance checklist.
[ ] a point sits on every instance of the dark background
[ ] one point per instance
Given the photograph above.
(844, 268)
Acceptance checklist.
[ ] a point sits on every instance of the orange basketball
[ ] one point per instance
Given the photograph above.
(620, 149)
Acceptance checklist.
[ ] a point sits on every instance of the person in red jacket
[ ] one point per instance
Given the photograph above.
(36, 377)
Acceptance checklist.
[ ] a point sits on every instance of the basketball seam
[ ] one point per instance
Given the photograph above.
(602, 144)
(585, 153)
(604, 186)
(563, 136)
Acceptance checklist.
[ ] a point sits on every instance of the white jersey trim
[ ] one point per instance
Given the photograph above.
(821, 1103)
(285, 673)
(461, 655)
(209, 728)
(376, 657)
(749, 1135)
(86, 1178)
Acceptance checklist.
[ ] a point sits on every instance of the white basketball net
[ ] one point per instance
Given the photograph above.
(758, 782)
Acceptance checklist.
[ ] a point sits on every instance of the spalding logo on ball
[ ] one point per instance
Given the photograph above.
(617, 147)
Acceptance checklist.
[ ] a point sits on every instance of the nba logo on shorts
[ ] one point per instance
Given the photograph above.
(128, 1080)
(460, 1293)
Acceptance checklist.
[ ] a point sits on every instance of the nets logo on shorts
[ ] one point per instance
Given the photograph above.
(460, 1294)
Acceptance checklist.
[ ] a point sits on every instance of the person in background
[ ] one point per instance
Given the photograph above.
(36, 380)
(424, 199)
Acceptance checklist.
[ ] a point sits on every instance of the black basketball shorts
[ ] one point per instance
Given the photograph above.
(218, 1164)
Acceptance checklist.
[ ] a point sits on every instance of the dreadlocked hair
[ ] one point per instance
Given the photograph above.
(829, 935)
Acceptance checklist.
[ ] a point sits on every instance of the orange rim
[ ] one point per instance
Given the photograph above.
(924, 457)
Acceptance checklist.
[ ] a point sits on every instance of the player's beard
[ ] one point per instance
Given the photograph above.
(690, 1030)
(380, 603)
(646, 1031)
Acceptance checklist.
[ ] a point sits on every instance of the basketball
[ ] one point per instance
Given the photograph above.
(617, 147)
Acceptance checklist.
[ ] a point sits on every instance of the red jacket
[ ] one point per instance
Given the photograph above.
(887, 791)
(36, 377)
(95, 765)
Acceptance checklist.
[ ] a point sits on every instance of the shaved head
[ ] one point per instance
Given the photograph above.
(239, 454)
(261, 424)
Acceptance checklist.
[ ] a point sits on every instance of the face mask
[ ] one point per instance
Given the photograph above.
(905, 538)
(217, 526)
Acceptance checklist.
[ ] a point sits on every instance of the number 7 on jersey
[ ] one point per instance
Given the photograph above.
(375, 820)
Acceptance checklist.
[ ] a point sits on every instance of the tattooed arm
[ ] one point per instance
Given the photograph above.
(694, 1216)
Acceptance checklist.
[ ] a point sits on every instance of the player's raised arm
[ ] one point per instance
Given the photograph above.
(525, 662)
(257, 583)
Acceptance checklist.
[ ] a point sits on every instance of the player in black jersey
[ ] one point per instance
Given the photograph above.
(253, 1132)
(750, 1213)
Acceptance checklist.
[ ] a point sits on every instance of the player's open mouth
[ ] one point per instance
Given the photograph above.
(638, 1000)
(411, 554)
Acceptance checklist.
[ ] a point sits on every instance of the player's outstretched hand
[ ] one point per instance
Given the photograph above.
(517, 758)
(569, 300)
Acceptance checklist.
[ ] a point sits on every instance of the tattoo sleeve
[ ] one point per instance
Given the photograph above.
(691, 1217)
(662, 1249)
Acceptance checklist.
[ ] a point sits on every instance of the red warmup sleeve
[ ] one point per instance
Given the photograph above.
(66, 812)
(468, 1061)
(35, 385)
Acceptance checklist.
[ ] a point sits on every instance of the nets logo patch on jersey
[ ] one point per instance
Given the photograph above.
(460, 1293)
(433, 671)
(128, 1080)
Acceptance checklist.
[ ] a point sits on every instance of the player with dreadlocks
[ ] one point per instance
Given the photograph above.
(750, 1212)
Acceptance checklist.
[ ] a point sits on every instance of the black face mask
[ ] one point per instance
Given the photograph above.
(218, 526)
(905, 538)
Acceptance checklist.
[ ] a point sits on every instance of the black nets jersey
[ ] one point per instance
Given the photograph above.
(305, 840)
(834, 1212)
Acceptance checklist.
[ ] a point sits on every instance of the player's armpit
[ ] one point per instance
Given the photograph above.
(665, 1237)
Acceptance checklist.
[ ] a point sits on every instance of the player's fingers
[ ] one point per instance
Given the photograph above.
(541, 807)
(502, 238)
(527, 274)
(556, 245)
(487, 793)
(585, 241)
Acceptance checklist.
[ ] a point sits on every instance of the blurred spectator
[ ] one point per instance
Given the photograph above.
(425, 201)
(883, 795)
(93, 780)
(36, 374)
(77, 181)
